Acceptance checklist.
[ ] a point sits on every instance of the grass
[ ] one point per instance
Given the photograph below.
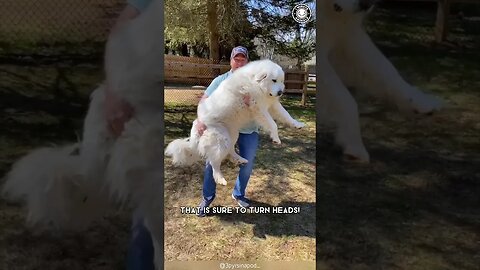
(416, 205)
(36, 27)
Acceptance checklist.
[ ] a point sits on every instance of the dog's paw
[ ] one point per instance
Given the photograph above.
(241, 161)
(359, 156)
(238, 161)
(276, 141)
(221, 181)
(298, 125)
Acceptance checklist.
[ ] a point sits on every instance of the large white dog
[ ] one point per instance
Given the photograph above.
(67, 187)
(348, 58)
(225, 112)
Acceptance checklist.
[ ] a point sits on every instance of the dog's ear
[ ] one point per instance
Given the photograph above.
(260, 76)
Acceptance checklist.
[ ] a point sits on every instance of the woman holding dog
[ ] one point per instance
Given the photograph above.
(247, 143)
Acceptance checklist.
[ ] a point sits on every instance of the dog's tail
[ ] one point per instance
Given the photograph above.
(50, 182)
(183, 152)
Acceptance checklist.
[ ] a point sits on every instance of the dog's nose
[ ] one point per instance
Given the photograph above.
(279, 93)
(366, 4)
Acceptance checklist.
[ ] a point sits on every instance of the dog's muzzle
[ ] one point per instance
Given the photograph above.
(279, 93)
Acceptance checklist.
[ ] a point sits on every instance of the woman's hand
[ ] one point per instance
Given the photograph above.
(246, 99)
(201, 127)
(117, 112)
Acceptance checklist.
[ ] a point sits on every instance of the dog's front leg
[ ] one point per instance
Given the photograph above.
(376, 75)
(279, 113)
(336, 102)
(263, 117)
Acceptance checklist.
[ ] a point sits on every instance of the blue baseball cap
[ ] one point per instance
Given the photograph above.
(239, 50)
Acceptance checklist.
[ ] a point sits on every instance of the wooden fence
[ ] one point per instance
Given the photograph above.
(192, 70)
(443, 13)
(201, 72)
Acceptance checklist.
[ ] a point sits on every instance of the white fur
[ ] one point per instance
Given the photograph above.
(349, 58)
(50, 182)
(225, 113)
(124, 170)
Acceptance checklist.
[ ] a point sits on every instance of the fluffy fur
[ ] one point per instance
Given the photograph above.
(349, 58)
(225, 112)
(50, 182)
(70, 186)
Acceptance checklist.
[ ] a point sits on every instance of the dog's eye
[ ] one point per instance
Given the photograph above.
(274, 80)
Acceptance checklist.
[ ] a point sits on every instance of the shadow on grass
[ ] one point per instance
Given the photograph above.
(411, 203)
(103, 246)
(277, 224)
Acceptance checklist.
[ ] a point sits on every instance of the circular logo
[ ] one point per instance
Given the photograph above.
(301, 13)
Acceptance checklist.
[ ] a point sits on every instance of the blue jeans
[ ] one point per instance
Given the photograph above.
(247, 146)
(140, 250)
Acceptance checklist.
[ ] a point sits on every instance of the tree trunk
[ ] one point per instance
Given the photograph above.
(299, 63)
(441, 25)
(185, 50)
(213, 30)
(298, 37)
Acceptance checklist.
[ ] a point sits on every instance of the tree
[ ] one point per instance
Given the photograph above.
(276, 27)
(213, 31)
(217, 24)
(185, 24)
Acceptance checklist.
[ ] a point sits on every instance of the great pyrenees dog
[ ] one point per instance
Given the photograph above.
(348, 58)
(68, 187)
(225, 112)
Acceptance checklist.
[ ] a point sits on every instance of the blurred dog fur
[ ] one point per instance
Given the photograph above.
(66, 188)
(348, 58)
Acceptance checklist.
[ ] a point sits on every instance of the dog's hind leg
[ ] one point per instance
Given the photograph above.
(234, 157)
(215, 144)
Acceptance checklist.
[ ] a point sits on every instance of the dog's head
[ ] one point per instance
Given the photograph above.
(270, 77)
(356, 8)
